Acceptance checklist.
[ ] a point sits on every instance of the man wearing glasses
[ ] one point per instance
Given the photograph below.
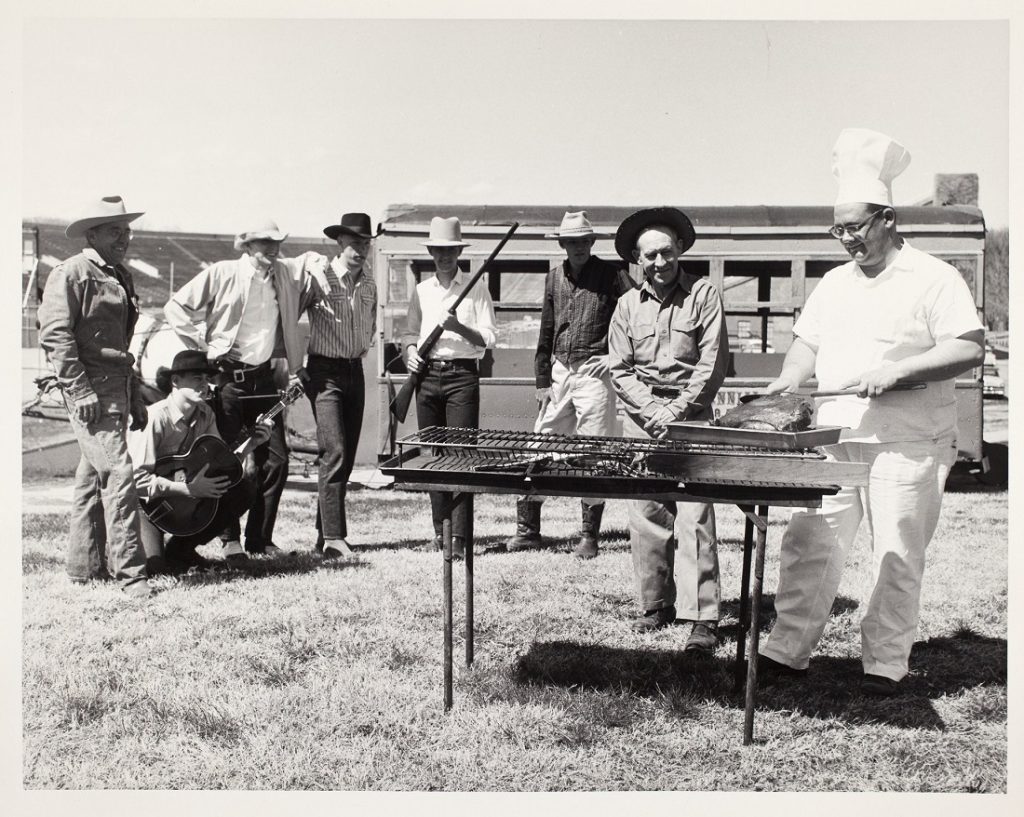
(891, 314)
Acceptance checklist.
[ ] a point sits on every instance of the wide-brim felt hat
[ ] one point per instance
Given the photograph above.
(445, 232)
(575, 225)
(636, 223)
(354, 224)
(266, 230)
(189, 360)
(108, 210)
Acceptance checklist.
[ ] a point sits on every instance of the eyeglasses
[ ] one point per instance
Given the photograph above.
(839, 230)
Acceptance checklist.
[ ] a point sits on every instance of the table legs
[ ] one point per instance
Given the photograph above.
(760, 523)
(446, 538)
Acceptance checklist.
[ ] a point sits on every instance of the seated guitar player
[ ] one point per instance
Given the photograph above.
(174, 424)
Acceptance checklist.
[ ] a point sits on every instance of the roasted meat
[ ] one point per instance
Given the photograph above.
(772, 412)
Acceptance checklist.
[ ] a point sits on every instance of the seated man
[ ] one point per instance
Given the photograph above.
(174, 424)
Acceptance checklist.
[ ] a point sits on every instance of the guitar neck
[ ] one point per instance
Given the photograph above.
(293, 393)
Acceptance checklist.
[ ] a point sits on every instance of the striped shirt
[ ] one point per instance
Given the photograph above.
(343, 322)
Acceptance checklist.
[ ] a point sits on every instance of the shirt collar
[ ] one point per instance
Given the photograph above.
(258, 274)
(95, 257)
(456, 281)
(684, 284)
(342, 271)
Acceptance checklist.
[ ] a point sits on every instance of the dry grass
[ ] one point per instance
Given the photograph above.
(296, 674)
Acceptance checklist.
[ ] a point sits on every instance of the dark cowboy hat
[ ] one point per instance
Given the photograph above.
(633, 225)
(356, 224)
(188, 360)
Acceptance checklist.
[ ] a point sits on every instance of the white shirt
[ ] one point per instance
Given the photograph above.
(859, 323)
(430, 303)
(257, 332)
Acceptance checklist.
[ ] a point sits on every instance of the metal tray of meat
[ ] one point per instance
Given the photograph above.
(702, 432)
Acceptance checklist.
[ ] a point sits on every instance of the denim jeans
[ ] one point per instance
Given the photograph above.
(336, 393)
(450, 398)
(267, 466)
(105, 538)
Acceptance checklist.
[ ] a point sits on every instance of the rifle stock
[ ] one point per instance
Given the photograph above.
(399, 407)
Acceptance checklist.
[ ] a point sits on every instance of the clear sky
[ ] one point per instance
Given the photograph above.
(209, 123)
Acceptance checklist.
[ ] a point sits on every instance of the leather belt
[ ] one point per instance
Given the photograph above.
(240, 371)
(455, 363)
(665, 391)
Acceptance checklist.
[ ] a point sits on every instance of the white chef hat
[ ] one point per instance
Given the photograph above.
(865, 162)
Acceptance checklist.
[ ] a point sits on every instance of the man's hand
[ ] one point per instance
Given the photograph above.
(785, 382)
(657, 426)
(204, 487)
(875, 382)
(452, 324)
(87, 408)
(302, 376)
(543, 398)
(413, 361)
(262, 433)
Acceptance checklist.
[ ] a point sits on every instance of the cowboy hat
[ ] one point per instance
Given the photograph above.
(187, 360)
(575, 225)
(445, 232)
(267, 229)
(631, 227)
(354, 224)
(108, 210)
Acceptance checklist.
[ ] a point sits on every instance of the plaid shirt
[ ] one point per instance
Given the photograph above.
(576, 313)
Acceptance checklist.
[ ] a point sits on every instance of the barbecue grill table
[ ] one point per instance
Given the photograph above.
(469, 461)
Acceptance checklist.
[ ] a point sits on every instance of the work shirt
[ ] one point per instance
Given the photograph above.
(257, 331)
(342, 324)
(167, 433)
(86, 320)
(678, 343)
(217, 297)
(575, 314)
(428, 307)
(858, 324)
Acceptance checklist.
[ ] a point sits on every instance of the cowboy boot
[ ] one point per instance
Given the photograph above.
(527, 526)
(587, 548)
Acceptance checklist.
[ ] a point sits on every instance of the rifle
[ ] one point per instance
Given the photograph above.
(399, 407)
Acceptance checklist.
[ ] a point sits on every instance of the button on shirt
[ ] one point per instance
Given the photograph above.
(167, 433)
(575, 314)
(858, 323)
(429, 305)
(680, 342)
(343, 322)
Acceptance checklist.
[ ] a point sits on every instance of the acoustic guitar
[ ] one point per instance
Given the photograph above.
(186, 515)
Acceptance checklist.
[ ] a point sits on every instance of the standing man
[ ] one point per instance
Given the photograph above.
(175, 423)
(449, 394)
(668, 352)
(251, 308)
(891, 313)
(86, 319)
(342, 325)
(573, 387)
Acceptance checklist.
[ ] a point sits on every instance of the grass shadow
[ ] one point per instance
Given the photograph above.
(730, 609)
(264, 567)
(941, 666)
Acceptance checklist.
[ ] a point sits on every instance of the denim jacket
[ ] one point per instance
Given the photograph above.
(86, 320)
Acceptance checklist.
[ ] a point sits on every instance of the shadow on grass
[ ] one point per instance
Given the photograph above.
(260, 567)
(730, 609)
(831, 689)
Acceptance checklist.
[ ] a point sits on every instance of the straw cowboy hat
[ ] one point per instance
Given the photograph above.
(575, 225)
(108, 210)
(354, 224)
(445, 232)
(187, 360)
(630, 229)
(267, 229)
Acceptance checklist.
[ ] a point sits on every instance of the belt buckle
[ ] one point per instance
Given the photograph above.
(238, 375)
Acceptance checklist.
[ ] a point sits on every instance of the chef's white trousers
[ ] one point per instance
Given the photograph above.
(901, 504)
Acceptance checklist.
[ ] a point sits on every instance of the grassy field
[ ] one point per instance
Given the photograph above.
(299, 674)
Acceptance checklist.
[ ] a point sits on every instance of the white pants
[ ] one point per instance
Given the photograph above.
(901, 504)
(580, 404)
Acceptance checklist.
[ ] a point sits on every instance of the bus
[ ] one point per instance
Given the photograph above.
(765, 260)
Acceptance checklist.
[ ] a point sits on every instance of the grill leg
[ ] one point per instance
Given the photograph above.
(761, 523)
(741, 642)
(468, 498)
(446, 536)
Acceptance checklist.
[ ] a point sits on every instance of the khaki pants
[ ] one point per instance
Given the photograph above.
(901, 504)
(660, 533)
